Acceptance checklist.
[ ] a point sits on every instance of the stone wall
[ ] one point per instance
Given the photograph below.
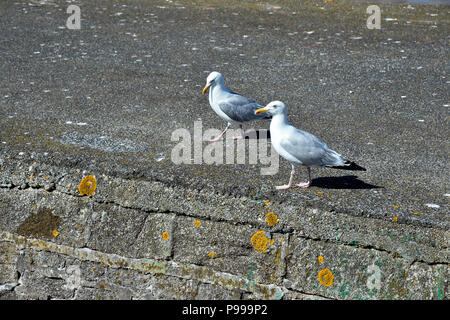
(146, 240)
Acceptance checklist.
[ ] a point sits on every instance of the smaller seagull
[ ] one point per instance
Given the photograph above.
(229, 105)
(301, 147)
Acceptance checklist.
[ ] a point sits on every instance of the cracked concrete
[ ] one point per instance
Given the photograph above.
(104, 100)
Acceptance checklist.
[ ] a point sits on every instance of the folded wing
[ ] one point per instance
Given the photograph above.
(240, 108)
(309, 150)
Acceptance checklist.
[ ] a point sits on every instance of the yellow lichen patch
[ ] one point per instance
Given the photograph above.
(211, 254)
(267, 202)
(319, 192)
(271, 219)
(278, 256)
(395, 219)
(259, 241)
(165, 235)
(320, 259)
(395, 207)
(326, 277)
(55, 233)
(87, 185)
(197, 223)
(416, 213)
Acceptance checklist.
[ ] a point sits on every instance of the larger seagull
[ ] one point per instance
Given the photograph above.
(301, 147)
(229, 105)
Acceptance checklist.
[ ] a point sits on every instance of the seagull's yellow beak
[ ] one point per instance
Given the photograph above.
(206, 88)
(262, 110)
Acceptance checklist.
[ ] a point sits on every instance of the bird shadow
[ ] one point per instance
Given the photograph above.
(257, 134)
(343, 182)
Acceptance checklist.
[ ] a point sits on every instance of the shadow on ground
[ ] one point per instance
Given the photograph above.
(344, 182)
(257, 134)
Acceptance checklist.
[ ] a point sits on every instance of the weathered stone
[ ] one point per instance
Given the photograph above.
(227, 247)
(212, 292)
(358, 273)
(8, 259)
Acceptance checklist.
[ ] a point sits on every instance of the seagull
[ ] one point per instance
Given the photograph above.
(301, 147)
(230, 106)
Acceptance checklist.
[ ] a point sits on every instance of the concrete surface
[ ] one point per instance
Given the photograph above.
(105, 99)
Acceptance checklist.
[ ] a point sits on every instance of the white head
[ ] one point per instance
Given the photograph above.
(213, 79)
(273, 108)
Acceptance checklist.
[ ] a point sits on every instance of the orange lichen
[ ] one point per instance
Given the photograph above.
(320, 259)
(259, 241)
(31, 175)
(326, 277)
(395, 207)
(197, 223)
(165, 235)
(87, 185)
(271, 219)
(55, 233)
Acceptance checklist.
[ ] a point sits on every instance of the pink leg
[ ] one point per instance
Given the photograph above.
(216, 139)
(240, 136)
(306, 184)
(220, 135)
(291, 179)
(283, 187)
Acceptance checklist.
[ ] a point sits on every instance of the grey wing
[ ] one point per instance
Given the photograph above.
(309, 149)
(241, 109)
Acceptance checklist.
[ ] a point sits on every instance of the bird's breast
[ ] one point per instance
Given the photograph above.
(214, 101)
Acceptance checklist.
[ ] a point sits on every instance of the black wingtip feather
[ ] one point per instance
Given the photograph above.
(350, 165)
